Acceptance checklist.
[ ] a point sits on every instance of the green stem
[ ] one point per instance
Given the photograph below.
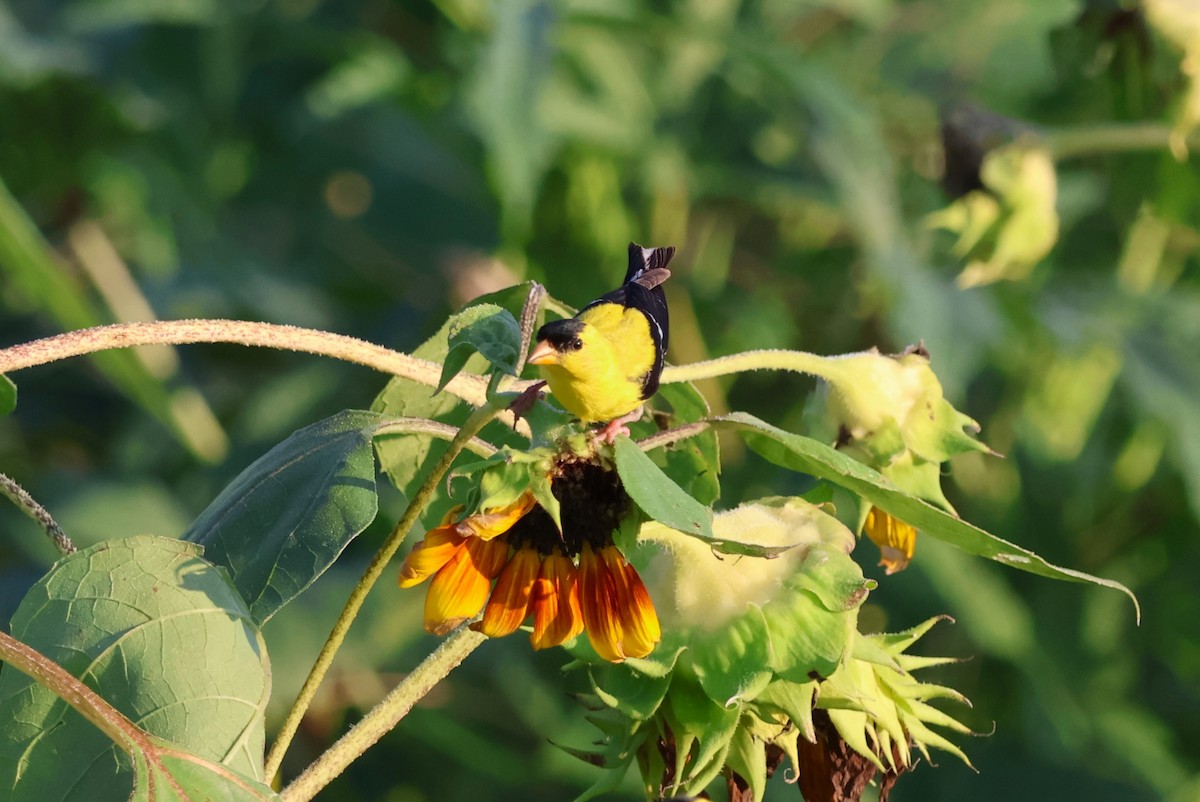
(384, 716)
(1092, 140)
(480, 418)
(797, 361)
(18, 496)
(444, 431)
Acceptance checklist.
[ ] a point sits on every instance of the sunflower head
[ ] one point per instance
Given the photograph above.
(543, 530)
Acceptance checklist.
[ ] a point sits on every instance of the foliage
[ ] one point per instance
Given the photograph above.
(366, 168)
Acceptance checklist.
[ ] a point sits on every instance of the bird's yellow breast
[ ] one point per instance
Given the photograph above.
(603, 379)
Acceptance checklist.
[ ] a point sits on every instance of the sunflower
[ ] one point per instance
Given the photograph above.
(569, 582)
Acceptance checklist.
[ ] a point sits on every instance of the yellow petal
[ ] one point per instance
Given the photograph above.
(457, 593)
(497, 520)
(896, 540)
(555, 603)
(428, 556)
(509, 603)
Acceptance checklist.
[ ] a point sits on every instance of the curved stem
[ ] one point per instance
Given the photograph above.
(70, 689)
(480, 418)
(769, 359)
(384, 716)
(243, 332)
(20, 497)
(669, 436)
(1091, 140)
(444, 431)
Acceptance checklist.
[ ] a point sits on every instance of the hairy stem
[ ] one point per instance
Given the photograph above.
(444, 431)
(1092, 140)
(26, 503)
(71, 690)
(797, 361)
(470, 388)
(480, 418)
(384, 716)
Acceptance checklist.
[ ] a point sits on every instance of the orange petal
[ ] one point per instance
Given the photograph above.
(428, 556)
(599, 599)
(457, 593)
(555, 603)
(497, 520)
(639, 621)
(490, 556)
(509, 603)
(896, 539)
(642, 630)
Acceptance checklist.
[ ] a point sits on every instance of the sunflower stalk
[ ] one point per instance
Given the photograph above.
(473, 425)
(385, 715)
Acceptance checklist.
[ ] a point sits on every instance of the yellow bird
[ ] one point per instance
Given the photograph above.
(604, 362)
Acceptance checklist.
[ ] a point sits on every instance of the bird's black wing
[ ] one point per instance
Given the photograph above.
(650, 301)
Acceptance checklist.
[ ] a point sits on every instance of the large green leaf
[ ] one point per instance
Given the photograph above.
(694, 463)
(656, 494)
(177, 776)
(164, 637)
(800, 453)
(284, 520)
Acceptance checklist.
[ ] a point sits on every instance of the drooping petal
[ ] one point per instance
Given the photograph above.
(599, 603)
(457, 593)
(509, 602)
(896, 539)
(490, 556)
(555, 603)
(642, 630)
(428, 556)
(639, 620)
(489, 523)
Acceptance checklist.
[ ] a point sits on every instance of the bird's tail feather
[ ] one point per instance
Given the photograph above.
(648, 266)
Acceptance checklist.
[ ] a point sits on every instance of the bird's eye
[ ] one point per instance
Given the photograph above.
(576, 344)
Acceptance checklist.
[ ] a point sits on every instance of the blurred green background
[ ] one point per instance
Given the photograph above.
(365, 166)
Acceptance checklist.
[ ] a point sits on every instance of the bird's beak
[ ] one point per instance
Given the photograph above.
(543, 354)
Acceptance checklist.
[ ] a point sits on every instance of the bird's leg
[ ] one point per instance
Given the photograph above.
(615, 428)
(524, 402)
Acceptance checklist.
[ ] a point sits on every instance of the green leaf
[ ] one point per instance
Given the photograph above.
(163, 636)
(694, 463)
(656, 494)
(284, 520)
(8, 395)
(170, 775)
(732, 663)
(748, 757)
(405, 458)
(485, 329)
(804, 454)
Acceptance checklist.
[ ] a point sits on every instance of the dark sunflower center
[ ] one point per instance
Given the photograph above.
(592, 499)
(592, 503)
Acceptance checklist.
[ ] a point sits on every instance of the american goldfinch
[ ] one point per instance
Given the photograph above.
(604, 362)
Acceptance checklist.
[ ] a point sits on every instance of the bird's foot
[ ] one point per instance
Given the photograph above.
(524, 402)
(615, 428)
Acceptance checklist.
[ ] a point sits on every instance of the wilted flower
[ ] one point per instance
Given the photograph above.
(896, 539)
(570, 581)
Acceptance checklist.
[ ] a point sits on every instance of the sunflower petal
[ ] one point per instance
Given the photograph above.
(509, 603)
(428, 556)
(639, 620)
(489, 523)
(896, 539)
(555, 602)
(599, 602)
(457, 593)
